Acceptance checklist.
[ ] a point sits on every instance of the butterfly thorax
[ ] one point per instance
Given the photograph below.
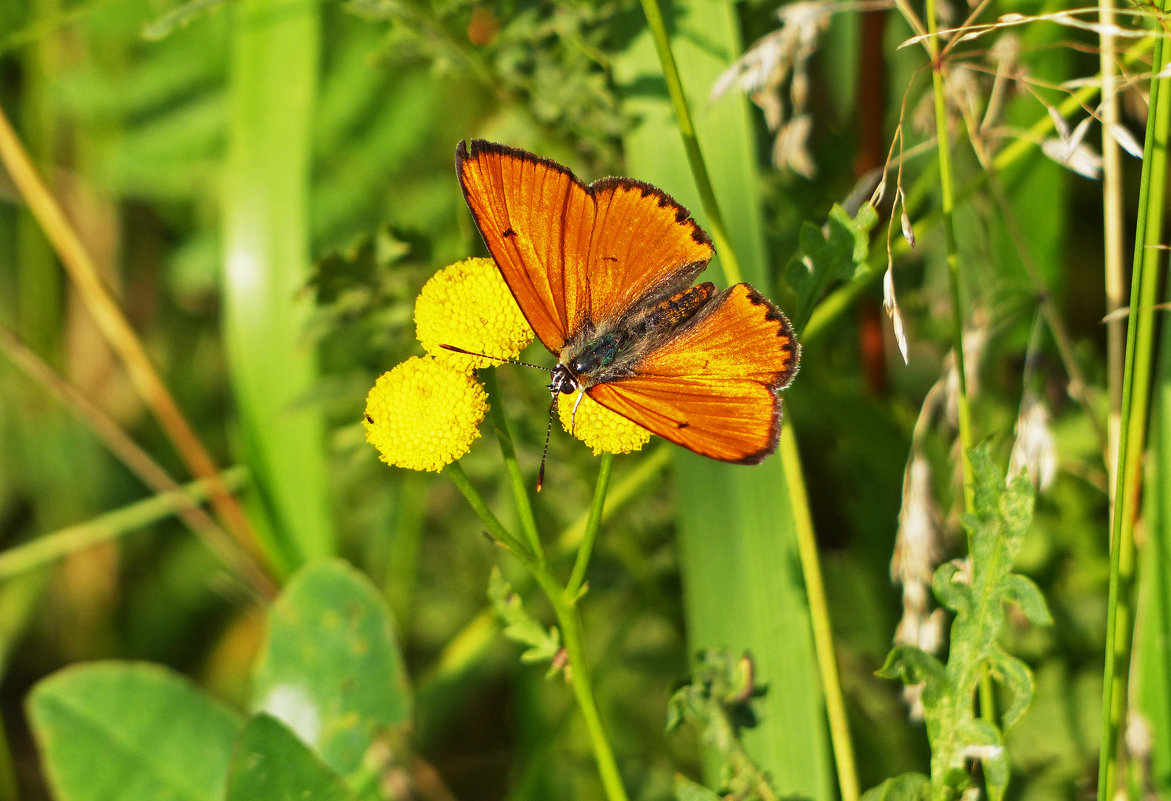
(597, 355)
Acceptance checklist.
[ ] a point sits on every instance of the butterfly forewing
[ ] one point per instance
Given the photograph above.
(713, 387)
(643, 244)
(535, 218)
(573, 254)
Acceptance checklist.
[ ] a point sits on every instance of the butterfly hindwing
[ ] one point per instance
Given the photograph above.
(713, 387)
(572, 254)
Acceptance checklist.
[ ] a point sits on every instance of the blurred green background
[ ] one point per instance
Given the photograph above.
(264, 186)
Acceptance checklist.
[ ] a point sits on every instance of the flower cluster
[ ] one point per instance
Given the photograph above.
(426, 412)
(598, 427)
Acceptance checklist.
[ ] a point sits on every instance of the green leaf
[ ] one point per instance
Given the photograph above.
(1022, 591)
(120, 731)
(687, 790)
(274, 61)
(834, 255)
(542, 643)
(905, 787)
(330, 668)
(912, 665)
(951, 588)
(1015, 676)
(271, 764)
(977, 591)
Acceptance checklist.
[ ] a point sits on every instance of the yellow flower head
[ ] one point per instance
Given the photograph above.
(468, 305)
(423, 415)
(603, 430)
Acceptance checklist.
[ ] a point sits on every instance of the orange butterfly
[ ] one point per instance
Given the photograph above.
(603, 275)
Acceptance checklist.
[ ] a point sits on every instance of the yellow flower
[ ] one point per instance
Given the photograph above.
(603, 430)
(468, 305)
(423, 415)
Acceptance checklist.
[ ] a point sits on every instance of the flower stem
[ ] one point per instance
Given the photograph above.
(835, 705)
(564, 603)
(496, 529)
(565, 608)
(516, 480)
(577, 577)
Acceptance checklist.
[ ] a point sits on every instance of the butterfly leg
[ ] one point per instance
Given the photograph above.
(573, 416)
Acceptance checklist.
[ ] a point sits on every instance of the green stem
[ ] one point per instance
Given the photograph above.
(631, 486)
(110, 525)
(496, 529)
(565, 609)
(835, 706)
(947, 204)
(577, 577)
(516, 480)
(707, 195)
(581, 681)
(1136, 385)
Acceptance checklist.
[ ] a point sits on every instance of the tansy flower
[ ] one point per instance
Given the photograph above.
(603, 430)
(468, 305)
(423, 415)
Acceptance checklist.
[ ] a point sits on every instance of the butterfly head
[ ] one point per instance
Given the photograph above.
(562, 381)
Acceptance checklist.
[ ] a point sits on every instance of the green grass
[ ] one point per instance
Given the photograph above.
(246, 198)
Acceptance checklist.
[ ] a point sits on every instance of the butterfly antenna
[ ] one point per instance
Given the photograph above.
(493, 358)
(545, 452)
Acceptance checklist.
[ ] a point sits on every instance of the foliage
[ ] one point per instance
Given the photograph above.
(328, 700)
(976, 590)
(251, 195)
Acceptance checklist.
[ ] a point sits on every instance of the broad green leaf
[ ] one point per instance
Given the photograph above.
(123, 731)
(271, 764)
(330, 668)
(737, 534)
(274, 71)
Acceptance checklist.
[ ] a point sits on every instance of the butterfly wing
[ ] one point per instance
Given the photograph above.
(644, 246)
(713, 387)
(536, 219)
(574, 255)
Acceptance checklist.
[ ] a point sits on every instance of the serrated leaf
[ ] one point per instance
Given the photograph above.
(977, 590)
(1015, 676)
(911, 665)
(330, 668)
(1024, 592)
(271, 763)
(542, 643)
(951, 588)
(124, 731)
(836, 254)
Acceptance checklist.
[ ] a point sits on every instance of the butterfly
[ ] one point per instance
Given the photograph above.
(603, 273)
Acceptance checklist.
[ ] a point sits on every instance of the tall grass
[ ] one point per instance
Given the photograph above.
(750, 608)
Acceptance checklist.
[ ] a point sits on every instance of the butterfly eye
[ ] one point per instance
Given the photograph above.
(563, 381)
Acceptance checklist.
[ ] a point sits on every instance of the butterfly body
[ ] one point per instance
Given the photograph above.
(604, 275)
